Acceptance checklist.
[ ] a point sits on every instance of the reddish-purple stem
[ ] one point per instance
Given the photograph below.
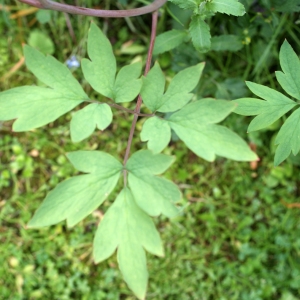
(77, 10)
(140, 100)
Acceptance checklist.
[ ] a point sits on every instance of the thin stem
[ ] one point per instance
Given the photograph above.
(140, 100)
(77, 10)
(120, 108)
(70, 27)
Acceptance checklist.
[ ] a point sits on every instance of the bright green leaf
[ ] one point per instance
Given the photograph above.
(269, 111)
(194, 125)
(200, 33)
(95, 162)
(85, 121)
(77, 197)
(145, 162)
(153, 87)
(288, 138)
(101, 70)
(153, 194)
(133, 265)
(178, 93)
(290, 64)
(126, 227)
(38, 106)
(34, 106)
(251, 106)
(215, 140)
(53, 73)
(169, 40)
(127, 85)
(203, 112)
(158, 134)
(229, 7)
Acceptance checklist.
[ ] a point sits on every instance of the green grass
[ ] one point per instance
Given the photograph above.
(234, 238)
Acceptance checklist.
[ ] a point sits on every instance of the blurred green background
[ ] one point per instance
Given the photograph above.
(237, 236)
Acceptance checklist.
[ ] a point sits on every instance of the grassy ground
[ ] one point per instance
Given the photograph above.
(237, 236)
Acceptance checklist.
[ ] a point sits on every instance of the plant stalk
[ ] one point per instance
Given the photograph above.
(140, 100)
(77, 10)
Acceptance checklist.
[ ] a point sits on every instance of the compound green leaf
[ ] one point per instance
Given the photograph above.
(202, 112)
(290, 64)
(34, 106)
(133, 265)
(95, 162)
(269, 111)
(127, 85)
(53, 73)
(158, 134)
(288, 138)
(229, 7)
(145, 162)
(153, 194)
(126, 227)
(186, 4)
(37, 106)
(178, 93)
(153, 87)
(77, 197)
(200, 34)
(194, 125)
(100, 71)
(169, 40)
(85, 121)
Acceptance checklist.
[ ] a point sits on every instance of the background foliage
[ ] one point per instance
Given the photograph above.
(238, 234)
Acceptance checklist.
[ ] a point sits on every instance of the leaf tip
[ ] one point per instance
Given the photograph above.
(29, 225)
(95, 261)
(162, 254)
(250, 129)
(68, 154)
